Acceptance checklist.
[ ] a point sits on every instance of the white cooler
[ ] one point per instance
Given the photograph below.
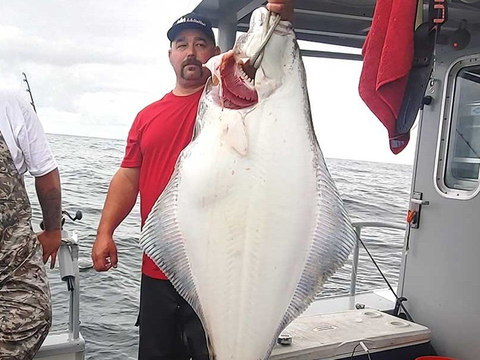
(334, 336)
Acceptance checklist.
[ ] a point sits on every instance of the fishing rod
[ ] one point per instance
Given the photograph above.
(29, 91)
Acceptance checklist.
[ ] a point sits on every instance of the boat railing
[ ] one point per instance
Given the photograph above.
(358, 226)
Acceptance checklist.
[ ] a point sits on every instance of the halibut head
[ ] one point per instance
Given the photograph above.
(251, 224)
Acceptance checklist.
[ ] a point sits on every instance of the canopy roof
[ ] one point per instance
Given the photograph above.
(339, 22)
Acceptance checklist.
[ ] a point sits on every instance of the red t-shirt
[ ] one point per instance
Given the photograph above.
(158, 135)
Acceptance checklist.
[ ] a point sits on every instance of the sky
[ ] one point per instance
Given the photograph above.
(93, 65)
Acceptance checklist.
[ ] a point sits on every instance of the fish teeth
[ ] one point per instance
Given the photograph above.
(244, 75)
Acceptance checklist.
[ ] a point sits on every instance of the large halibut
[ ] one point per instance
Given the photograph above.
(251, 224)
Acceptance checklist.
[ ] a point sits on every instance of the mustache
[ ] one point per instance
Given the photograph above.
(191, 61)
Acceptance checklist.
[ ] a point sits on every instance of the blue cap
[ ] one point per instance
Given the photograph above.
(191, 21)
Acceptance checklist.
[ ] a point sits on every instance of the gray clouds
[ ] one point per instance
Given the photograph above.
(91, 64)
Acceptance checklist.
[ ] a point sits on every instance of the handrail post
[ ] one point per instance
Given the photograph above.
(74, 318)
(356, 251)
(68, 262)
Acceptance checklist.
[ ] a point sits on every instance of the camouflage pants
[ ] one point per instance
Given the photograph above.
(25, 309)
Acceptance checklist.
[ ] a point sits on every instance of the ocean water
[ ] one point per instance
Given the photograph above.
(109, 301)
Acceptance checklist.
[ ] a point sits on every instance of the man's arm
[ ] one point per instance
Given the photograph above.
(121, 198)
(50, 199)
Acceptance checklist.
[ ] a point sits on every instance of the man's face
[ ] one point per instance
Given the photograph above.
(189, 50)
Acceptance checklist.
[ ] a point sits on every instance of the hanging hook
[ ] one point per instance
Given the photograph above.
(257, 58)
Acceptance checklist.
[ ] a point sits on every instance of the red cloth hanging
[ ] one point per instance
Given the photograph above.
(388, 57)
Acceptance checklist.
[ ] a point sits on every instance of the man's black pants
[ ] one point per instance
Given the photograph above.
(169, 328)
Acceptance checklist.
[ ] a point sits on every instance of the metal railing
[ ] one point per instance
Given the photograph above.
(356, 250)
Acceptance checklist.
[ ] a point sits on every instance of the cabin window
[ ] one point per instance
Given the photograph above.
(461, 157)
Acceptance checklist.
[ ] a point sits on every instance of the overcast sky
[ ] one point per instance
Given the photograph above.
(93, 65)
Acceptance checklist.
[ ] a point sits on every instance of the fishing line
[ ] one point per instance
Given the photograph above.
(409, 317)
(258, 56)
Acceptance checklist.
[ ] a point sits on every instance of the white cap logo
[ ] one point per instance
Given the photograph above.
(191, 20)
(181, 20)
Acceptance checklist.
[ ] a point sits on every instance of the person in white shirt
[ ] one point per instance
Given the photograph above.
(25, 303)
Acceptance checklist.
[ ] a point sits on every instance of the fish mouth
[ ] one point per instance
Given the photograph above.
(238, 83)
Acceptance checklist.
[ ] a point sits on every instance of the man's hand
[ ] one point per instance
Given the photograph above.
(121, 198)
(104, 253)
(282, 7)
(50, 241)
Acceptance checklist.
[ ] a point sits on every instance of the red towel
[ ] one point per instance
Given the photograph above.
(388, 57)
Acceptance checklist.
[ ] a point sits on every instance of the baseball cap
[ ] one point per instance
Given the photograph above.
(191, 21)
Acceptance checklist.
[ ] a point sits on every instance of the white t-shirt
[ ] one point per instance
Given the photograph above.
(24, 136)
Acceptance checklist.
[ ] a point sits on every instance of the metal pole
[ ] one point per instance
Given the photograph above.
(76, 295)
(331, 55)
(227, 32)
(356, 251)
(74, 302)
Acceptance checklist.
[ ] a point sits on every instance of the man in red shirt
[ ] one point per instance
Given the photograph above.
(168, 326)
